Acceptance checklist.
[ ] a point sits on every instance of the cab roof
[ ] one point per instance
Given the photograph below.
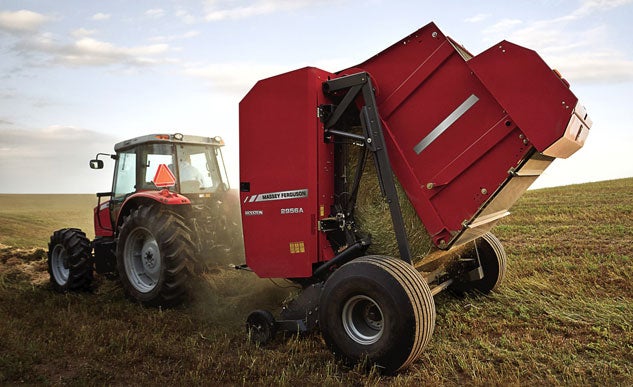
(176, 138)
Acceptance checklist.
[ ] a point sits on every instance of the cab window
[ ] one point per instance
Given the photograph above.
(152, 156)
(198, 169)
(125, 180)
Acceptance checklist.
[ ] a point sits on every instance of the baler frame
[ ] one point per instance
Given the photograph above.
(373, 140)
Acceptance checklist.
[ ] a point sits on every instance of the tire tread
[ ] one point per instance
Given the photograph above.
(177, 253)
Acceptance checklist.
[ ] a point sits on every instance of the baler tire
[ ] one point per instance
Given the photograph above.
(260, 327)
(493, 259)
(154, 254)
(377, 309)
(69, 260)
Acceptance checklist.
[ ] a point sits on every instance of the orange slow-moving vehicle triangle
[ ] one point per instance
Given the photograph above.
(164, 177)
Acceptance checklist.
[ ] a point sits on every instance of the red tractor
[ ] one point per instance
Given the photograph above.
(161, 223)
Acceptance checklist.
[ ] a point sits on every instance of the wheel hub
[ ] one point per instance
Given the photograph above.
(363, 320)
(142, 260)
(59, 265)
(373, 318)
(149, 255)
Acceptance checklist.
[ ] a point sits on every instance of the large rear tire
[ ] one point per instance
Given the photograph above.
(69, 264)
(377, 309)
(154, 252)
(493, 259)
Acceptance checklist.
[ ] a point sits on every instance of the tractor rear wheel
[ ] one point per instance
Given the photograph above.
(154, 252)
(377, 309)
(69, 263)
(493, 259)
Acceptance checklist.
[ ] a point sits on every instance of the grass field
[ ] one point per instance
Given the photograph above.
(27, 220)
(562, 316)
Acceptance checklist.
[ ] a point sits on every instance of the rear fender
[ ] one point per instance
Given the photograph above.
(164, 197)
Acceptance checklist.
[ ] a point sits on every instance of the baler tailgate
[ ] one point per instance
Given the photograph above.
(466, 133)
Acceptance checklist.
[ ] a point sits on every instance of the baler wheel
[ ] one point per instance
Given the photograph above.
(260, 327)
(154, 252)
(69, 263)
(378, 309)
(493, 259)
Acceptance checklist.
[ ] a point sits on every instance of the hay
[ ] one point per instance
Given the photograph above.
(372, 215)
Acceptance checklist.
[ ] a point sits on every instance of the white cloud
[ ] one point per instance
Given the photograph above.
(171, 38)
(602, 66)
(53, 160)
(502, 27)
(477, 18)
(21, 21)
(88, 51)
(8, 94)
(189, 34)
(82, 32)
(233, 78)
(101, 16)
(587, 7)
(155, 13)
(230, 9)
(581, 51)
(236, 78)
(185, 16)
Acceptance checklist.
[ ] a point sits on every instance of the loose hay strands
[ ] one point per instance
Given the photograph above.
(372, 216)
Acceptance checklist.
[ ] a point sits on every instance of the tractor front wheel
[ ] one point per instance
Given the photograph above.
(154, 252)
(377, 309)
(69, 263)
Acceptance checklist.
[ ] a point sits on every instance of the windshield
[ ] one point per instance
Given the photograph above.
(200, 168)
(197, 168)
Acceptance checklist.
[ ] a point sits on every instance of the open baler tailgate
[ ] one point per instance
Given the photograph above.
(467, 135)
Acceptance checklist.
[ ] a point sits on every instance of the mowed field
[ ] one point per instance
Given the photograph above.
(564, 315)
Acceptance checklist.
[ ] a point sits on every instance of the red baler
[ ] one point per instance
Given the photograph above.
(464, 135)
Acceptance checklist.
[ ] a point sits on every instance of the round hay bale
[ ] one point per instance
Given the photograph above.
(372, 215)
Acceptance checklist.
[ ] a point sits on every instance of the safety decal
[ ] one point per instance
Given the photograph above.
(297, 247)
(164, 177)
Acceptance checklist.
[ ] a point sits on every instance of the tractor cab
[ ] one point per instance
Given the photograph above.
(189, 166)
(194, 163)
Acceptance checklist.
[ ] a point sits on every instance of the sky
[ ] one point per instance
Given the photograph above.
(78, 76)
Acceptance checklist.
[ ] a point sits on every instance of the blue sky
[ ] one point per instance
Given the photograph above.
(78, 76)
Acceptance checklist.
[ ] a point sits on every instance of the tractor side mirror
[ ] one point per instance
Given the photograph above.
(96, 164)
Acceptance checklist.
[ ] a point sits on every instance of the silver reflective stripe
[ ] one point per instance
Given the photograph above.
(448, 121)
